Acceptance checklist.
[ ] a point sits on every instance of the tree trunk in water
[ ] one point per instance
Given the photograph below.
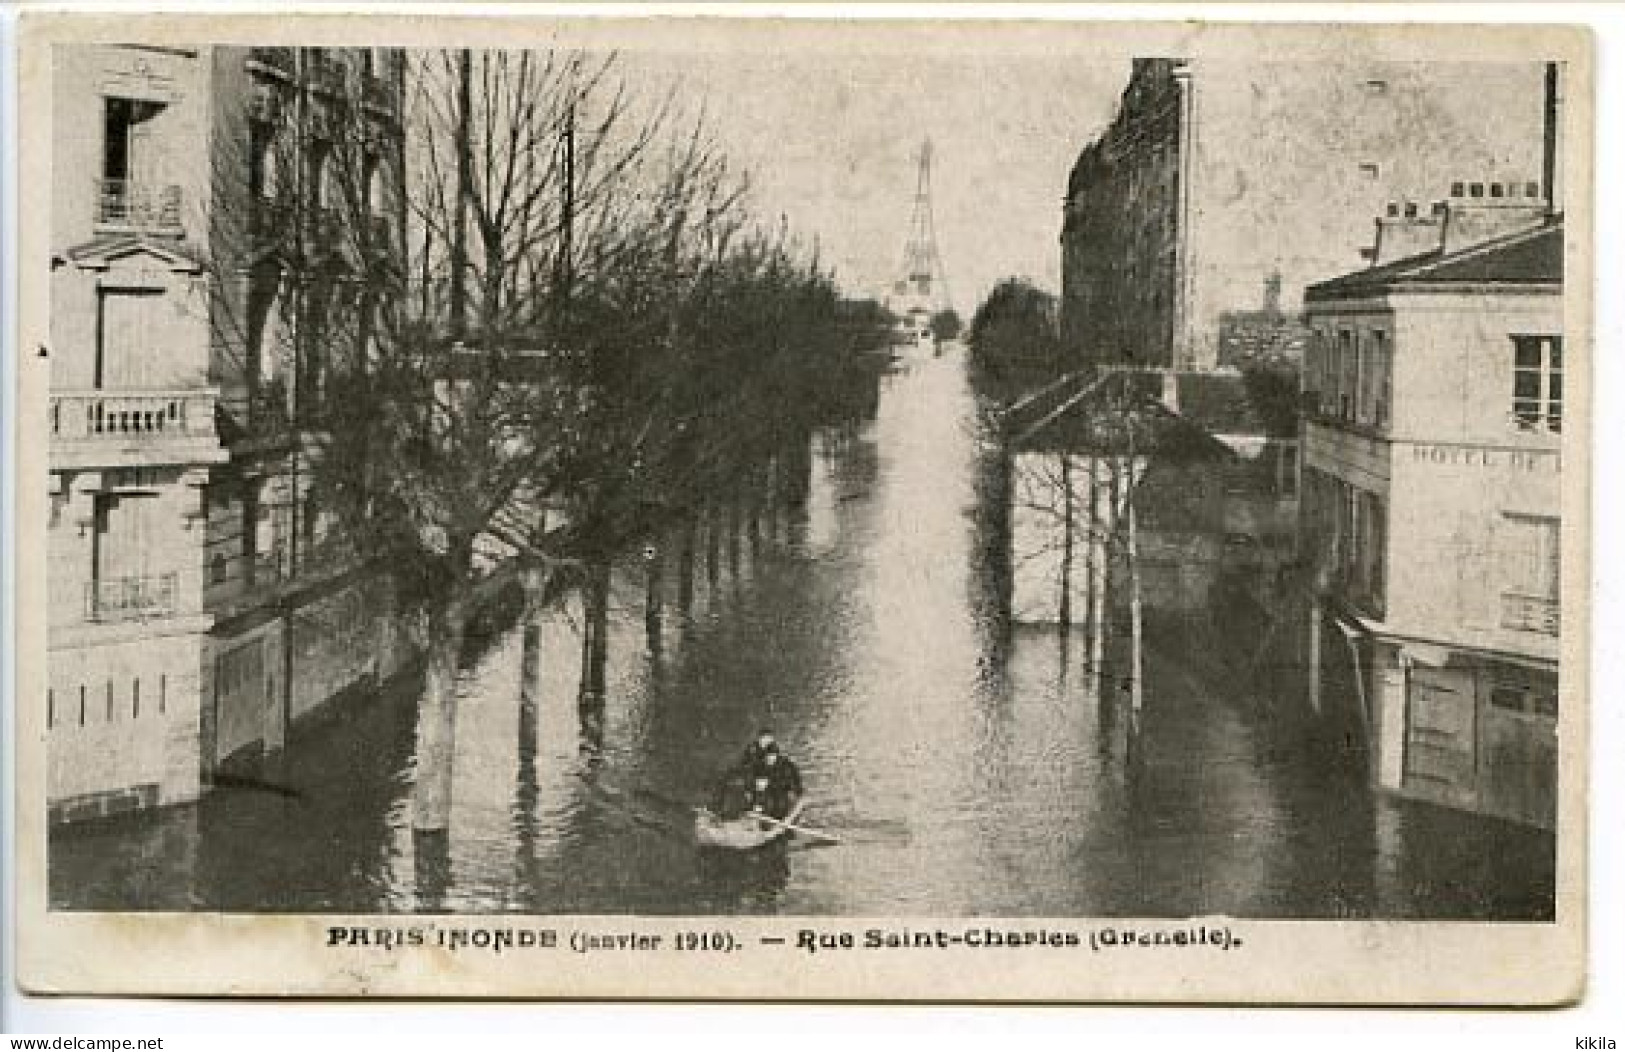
(530, 662)
(753, 513)
(685, 568)
(1098, 580)
(1136, 629)
(733, 535)
(654, 597)
(798, 470)
(595, 634)
(713, 542)
(1065, 613)
(437, 722)
(773, 497)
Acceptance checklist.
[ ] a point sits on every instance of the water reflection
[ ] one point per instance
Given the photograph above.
(968, 765)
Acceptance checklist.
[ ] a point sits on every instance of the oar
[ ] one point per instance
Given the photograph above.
(816, 834)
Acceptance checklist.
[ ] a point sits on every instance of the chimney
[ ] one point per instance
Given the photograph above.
(1404, 232)
(1272, 293)
(1491, 210)
(1551, 167)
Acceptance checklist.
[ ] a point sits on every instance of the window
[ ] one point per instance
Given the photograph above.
(1370, 169)
(1363, 374)
(1530, 556)
(1347, 373)
(1537, 382)
(132, 187)
(127, 336)
(1373, 551)
(1325, 375)
(1523, 690)
(127, 151)
(264, 166)
(1379, 379)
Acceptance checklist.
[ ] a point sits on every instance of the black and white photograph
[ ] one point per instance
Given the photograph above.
(845, 472)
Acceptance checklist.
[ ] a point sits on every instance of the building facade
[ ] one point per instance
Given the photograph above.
(1187, 230)
(132, 429)
(1431, 502)
(221, 212)
(307, 235)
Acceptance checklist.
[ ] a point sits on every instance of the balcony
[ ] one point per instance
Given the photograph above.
(104, 429)
(129, 205)
(131, 598)
(133, 416)
(1530, 613)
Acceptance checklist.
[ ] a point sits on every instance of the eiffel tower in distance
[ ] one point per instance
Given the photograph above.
(922, 290)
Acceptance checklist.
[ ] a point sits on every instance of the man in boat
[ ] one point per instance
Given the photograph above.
(735, 795)
(764, 781)
(776, 779)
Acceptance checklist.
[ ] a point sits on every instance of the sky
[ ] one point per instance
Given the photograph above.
(831, 140)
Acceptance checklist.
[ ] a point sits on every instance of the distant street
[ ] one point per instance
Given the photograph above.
(965, 771)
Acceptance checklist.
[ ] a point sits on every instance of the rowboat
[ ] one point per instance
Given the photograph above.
(745, 833)
(751, 831)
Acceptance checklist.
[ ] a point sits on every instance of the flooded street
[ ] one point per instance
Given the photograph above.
(965, 771)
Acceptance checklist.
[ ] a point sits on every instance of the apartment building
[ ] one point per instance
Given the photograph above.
(1221, 188)
(1431, 499)
(308, 235)
(219, 226)
(132, 428)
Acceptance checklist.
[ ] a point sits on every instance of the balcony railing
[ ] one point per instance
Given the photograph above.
(1530, 613)
(152, 416)
(136, 205)
(131, 598)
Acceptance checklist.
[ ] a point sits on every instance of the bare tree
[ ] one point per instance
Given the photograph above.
(509, 338)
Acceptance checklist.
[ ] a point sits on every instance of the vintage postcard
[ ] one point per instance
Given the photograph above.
(919, 509)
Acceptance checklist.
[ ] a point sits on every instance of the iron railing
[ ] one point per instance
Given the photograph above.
(138, 205)
(133, 415)
(131, 598)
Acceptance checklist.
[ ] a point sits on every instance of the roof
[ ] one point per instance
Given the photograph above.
(1527, 257)
(1112, 415)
